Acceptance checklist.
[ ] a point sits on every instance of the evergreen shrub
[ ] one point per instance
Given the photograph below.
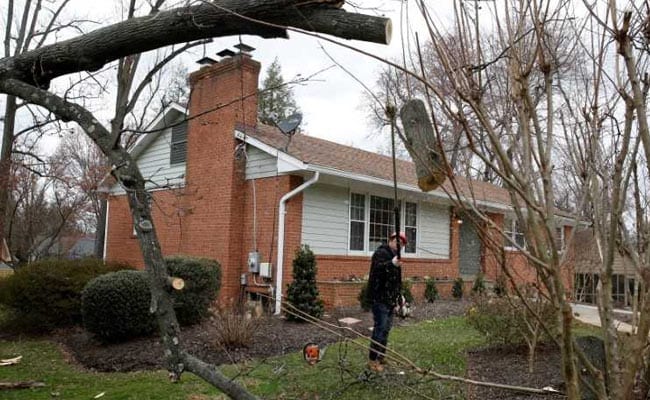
(457, 288)
(431, 291)
(303, 292)
(46, 294)
(115, 306)
(202, 278)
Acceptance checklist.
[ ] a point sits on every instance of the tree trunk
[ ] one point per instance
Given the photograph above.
(5, 166)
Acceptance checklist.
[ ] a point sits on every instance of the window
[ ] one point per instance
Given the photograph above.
(410, 226)
(357, 221)
(585, 287)
(514, 233)
(382, 220)
(618, 289)
(376, 220)
(178, 153)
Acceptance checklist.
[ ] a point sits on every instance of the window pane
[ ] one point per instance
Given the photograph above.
(382, 220)
(358, 207)
(356, 235)
(411, 244)
(410, 219)
(410, 227)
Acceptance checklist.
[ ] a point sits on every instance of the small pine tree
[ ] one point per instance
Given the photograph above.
(457, 289)
(478, 288)
(303, 292)
(275, 100)
(431, 291)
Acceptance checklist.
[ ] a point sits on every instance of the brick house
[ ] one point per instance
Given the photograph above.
(225, 186)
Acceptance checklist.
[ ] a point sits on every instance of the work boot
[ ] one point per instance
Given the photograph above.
(375, 366)
(382, 361)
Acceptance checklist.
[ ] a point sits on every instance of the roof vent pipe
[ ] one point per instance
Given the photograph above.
(282, 212)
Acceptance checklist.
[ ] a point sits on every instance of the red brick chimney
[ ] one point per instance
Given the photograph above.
(222, 95)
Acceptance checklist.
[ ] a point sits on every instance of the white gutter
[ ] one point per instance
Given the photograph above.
(282, 212)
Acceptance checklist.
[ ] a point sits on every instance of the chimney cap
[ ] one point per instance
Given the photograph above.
(226, 53)
(244, 48)
(207, 61)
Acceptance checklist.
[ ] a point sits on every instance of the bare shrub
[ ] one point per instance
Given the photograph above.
(234, 329)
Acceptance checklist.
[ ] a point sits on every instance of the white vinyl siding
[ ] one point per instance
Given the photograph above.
(325, 219)
(326, 224)
(259, 164)
(155, 165)
(433, 231)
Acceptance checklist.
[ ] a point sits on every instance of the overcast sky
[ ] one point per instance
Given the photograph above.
(332, 104)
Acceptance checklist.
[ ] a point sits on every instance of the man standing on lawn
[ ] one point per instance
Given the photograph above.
(384, 288)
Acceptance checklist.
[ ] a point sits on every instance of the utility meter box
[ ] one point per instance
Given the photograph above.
(254, 262)
(266, 270)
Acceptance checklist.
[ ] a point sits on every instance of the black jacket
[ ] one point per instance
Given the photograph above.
(385, 281)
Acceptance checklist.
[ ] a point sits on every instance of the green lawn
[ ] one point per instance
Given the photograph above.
(341, 374)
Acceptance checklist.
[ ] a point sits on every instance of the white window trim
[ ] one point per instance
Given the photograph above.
(507, 245)
(366, 227)
(366, 215)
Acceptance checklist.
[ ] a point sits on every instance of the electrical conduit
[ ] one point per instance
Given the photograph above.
(282, 212)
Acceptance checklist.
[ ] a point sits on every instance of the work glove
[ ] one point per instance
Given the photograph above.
(397, 262)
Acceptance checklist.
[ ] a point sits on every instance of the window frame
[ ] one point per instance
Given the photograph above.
(512, 232)
(367, 250)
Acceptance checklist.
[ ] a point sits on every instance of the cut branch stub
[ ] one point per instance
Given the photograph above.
(422, 145)
(176, 283)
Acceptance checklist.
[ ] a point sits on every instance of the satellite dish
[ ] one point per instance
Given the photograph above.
(289, 125)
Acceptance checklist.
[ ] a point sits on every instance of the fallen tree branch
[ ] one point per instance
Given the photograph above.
(92, 51)
(21, 385)
(10, 361)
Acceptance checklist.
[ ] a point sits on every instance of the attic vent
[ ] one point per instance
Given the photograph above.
(178, 153)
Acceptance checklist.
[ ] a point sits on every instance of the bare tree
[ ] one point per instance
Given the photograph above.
(573, 93)
(29, 25)
(27, 76)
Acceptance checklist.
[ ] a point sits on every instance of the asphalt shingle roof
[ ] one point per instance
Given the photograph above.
(349, 159)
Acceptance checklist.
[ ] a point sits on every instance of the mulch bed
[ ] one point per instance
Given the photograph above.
(273, 336)
(276, 336)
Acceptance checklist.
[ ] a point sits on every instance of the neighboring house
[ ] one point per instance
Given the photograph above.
(588, 265)
(82, 248)
(225, 186)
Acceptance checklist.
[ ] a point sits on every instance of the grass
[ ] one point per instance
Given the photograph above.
(340, 375)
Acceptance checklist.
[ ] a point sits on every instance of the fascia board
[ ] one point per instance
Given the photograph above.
(285, 163)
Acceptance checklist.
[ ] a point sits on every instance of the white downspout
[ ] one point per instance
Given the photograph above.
(282, 212)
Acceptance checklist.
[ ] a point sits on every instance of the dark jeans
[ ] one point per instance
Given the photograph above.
(383, 317)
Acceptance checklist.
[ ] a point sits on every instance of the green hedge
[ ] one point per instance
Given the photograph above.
(202, 282)
(47, 294)
(202, 278)
(115, 306)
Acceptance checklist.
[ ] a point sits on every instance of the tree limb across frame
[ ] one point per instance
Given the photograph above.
(93, 50)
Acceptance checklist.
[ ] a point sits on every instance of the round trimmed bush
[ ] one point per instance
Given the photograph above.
(202, 278)
(46, 294)
(115, 306)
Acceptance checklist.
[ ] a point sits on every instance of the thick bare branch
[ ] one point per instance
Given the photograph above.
(91, 51)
